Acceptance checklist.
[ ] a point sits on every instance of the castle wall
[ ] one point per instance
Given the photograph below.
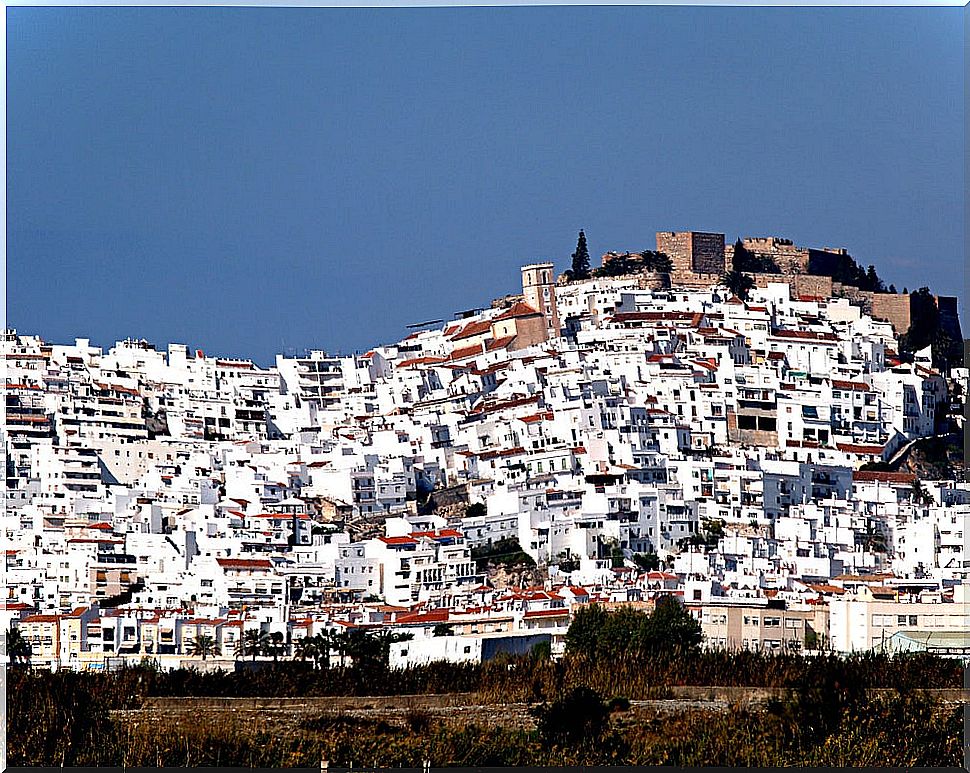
(895, 309)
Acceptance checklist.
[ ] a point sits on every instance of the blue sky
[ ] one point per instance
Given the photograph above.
(245, 180)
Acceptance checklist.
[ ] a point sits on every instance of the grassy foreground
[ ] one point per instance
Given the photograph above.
(579, 707)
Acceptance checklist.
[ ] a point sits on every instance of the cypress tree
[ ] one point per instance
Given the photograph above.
(581, 258)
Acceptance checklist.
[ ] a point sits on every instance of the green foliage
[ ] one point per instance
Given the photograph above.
(656, 261)
(844, 269)
(476, 510)
(738, 283)
(442, 629)
(505, 552)
(647, 562)
(876, 467)
(598, 634)
(541, 651)
(18, 648)
(924, 322)
(580, 264)
(826, 719)
(634, 263)
(745, 261)
(579, 718)
(253, 642)
(709, 536)
(203, 646)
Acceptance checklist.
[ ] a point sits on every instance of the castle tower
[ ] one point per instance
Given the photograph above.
(702, 253)
(539, 291)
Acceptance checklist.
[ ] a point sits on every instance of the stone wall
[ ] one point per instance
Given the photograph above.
(650, 280)
(693, 250)
(693, 279)
(789, 258)
(895, 309)
(800, 284)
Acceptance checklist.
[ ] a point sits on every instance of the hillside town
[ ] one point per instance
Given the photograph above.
(653, 427)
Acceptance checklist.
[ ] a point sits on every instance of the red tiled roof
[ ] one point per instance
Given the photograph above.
(244, 563)
(499, 343)
(422, 361)
(433, 616)
(809, 335)
(500, 406)
(854, 448)
(872, 476)
(653, 316)
(520, 309)
(398, 540)
(547, 613)
(533, 418)
(825, 588)
(502, 452)
(473, 329)
(465, 352)
(857, 386)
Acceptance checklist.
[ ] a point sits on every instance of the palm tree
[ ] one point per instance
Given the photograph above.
(314, 648)
(384, 639)
(203, 645)
(253, 642)
(19, 650)
(275, 645)
(307, 648)
(325, 641)
(737, 283)
(341, 643)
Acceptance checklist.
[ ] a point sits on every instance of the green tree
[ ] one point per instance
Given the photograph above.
(315, 648)
(442, 629)
(672, 626)
(583, 634)
(579, 718)
(567, 563)
(873, 282)
(306, 648)
(656, 261)
(476, 510)
(738, 283)
(275, 645)
(580, 266)
(647, 562)
(19, 650)
(203, 646)
(383, 639)
(253, 642)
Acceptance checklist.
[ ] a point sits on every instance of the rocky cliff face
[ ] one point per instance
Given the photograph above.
(518, 576)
